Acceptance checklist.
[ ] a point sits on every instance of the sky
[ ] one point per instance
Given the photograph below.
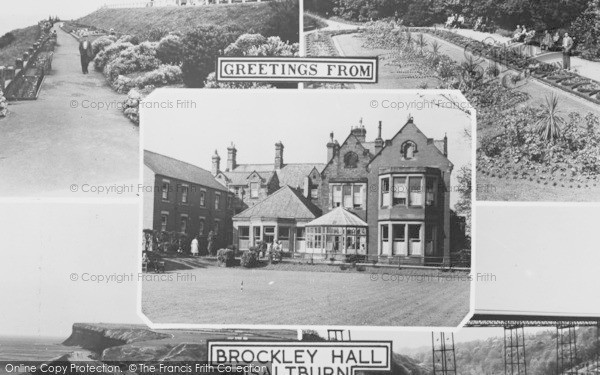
(48, 242)
(302, 120)
(21, 14)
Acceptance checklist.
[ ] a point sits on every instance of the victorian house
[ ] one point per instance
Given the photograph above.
(383, 198)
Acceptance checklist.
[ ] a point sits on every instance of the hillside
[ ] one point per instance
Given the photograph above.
(138, 21)
(486, 356)
(23, 39)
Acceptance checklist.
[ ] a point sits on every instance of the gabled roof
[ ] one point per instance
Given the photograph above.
(241, 178)
(285, 203)
(169, 167)
(294, 174)
(290, 174)
(338, 217)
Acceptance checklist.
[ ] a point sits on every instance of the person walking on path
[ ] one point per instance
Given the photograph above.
(194, 247)
(567, 48)
(86, 53)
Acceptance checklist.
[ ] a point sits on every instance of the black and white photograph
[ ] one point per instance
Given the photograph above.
(72, 75)
(531, 70)
(314, 211)
(72, 299)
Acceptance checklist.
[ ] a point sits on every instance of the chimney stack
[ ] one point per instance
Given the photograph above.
(216, 163)
(378, 140)
(231, 157)
(330, 147)
(278, 155)
(360, 132)
(446, 144)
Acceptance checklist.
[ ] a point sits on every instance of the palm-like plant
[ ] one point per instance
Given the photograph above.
(550, 122)
(435, 48)
(421, 43)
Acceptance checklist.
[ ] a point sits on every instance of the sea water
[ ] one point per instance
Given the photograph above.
(23, 349)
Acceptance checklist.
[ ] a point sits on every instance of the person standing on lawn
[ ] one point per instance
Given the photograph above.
(194, 247)
(86, 53)
(567, 49)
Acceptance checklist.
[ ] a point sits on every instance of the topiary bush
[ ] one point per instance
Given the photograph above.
(226, 257)
(249, 259)
(170, 50)
(200, 48)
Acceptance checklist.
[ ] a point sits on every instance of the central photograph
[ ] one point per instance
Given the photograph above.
(268, 207)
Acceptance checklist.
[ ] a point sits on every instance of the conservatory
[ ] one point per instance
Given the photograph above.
(339, 232)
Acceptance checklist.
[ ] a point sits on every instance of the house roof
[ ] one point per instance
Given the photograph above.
(284, 203)
(338, 217)
(169, 167)
(290, 174)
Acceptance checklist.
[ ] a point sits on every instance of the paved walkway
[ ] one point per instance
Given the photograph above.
(585, 68)
(48, 144)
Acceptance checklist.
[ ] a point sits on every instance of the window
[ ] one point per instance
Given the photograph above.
(184, 193)
(399, 232)
(416, 193)
(254, 190)
(350, 160)
(244, 233)
(229, 201)
(183, 224)
(414, 232)
(166, 186)
(400, 191)
(201, 227)
(337, 196)
(385, 192)
(269, 234)
(217, 200)
(300, 234)
(358, 197)
(384, 232)
(217, 227)
(164, 220)
(256, 233)
(408, 149)
(430, 189)
(347, 192)
(203, 198)
(314, 193)
(284, 233)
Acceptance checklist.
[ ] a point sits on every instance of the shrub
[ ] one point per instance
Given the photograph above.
(102, 42)
(162, 76)
(108, 54)
(200, 48)
(3, 105)
(275, 256)
(249, 259)
(129, 39)
(170, 50)
(283, 20)
(7, 39)
(243, 43)
(226, 257)
(131, 106)
(140, 58)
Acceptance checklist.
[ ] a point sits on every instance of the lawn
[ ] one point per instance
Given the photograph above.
(24, 39)
(138, 21)
(214, 295)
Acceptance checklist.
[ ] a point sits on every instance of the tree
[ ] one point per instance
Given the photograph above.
(284, 21)
(463, 205)
(200, 48)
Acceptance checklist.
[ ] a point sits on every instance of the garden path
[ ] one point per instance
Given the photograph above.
(61, 139)
(332, 25)
(585, 68)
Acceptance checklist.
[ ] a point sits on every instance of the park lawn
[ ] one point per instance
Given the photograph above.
(138, 21)
(501, 189)
(24, 39)
(214, 295)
